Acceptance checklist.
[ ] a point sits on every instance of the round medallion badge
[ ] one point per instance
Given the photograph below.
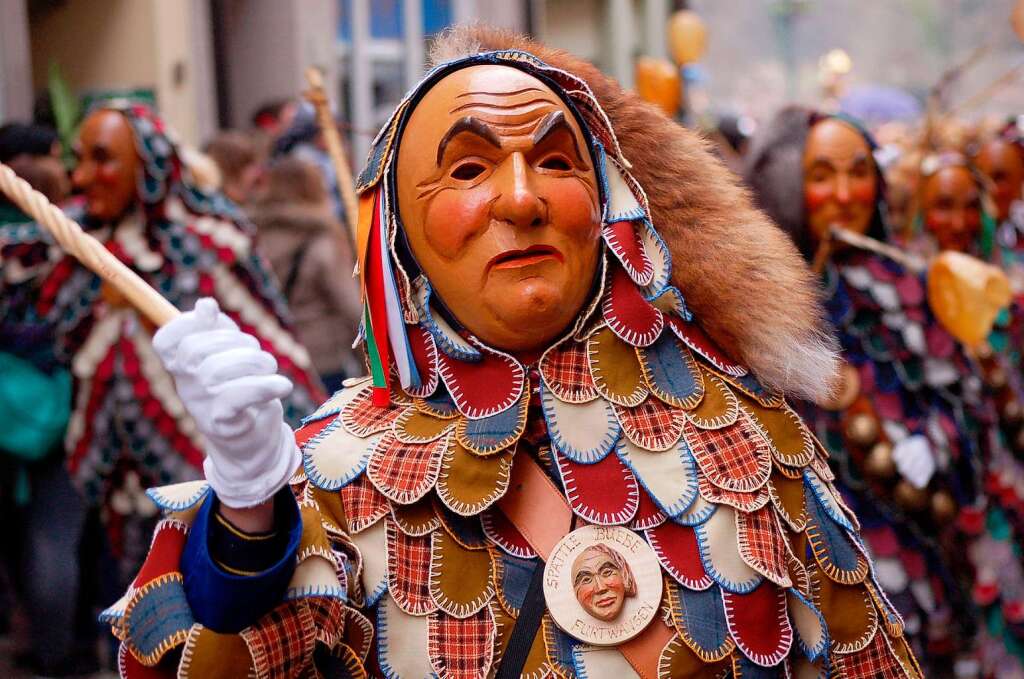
(602, 584)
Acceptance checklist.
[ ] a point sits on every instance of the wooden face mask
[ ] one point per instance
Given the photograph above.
(498, 195)
(108, 165)
(951, 206)
(1003, 162)
(840, 179)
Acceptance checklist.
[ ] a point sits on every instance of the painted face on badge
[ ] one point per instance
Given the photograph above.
(1003, 162)
(499, 200)
(602, 580)
(108, 165)
(951, 206)
(840, 179)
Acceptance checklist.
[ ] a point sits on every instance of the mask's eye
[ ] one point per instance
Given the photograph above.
(468, 171)
(558, 163)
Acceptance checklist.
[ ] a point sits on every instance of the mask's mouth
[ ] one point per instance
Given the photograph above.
(535, 254)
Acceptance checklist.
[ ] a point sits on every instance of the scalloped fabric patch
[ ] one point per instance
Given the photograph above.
(565, 369)
(605, 493)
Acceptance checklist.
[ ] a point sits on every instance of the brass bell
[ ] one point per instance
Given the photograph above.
(910, 498)
(943, 507)
(879, 462)
(862, 429)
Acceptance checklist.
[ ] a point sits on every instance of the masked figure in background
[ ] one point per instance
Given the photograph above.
(128, 427)
(540, 393)
(1001, 159)
(909, 425)
(952, 207)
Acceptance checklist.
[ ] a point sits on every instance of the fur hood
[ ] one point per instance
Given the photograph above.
(740, 274)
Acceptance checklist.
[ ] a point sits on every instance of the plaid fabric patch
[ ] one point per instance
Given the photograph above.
(566, 372)
(364, 505)
(733, 458)
(462, 649)
(745, 502)
(409, 570)
(282, 641)
(405, 472)
(762, 544)
(652, 425)
(876, 661)
(361, 418)
(328, 616)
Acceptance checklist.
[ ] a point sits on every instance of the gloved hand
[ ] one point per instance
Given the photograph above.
(914, 460)
(232, 390)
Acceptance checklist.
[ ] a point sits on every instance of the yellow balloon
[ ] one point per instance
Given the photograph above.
(658, 81)
(966, 295)
(687, 36)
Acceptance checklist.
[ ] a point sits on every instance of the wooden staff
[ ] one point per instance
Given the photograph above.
(907, 260)
(86, 249)
(316, 96)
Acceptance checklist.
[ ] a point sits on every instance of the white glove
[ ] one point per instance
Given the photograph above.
(232, 390)
(914, 460)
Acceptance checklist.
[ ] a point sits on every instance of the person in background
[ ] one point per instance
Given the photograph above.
(312, 258)
(46, 514)
(237, 157)
(302, 139)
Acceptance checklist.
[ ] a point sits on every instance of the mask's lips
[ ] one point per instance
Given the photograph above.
(514, 259)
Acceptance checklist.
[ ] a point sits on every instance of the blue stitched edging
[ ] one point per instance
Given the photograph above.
(324, 591)
(444, 337)
(373, 597)
(322, 412)
(115, 612)
(682, 504)
(592, 455)
(660, 283)
(709, 567)
(812, 653)
(834, 511)
(168, 505)
(627, 215)
(320, 480)
(697, 519)
(382, 645)
(577, 662)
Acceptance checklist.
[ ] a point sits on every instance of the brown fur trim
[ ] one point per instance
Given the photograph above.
(740, 274)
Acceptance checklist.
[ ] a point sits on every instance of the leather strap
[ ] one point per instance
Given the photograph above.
(540, 512)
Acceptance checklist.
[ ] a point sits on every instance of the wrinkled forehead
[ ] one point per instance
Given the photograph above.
(488, 98)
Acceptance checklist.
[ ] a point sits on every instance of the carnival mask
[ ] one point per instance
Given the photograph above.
(602, 580)
(1003, 162)
(840, 179)
(108, 165)
(498, 195)
(951, 207)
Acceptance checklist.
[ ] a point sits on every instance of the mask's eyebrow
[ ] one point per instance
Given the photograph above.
(551, 123)
(471, 125)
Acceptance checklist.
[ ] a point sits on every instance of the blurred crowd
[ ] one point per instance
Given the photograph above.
(925, 432)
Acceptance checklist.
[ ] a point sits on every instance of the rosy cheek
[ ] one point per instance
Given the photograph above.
(863, 192)
(453, 217)
(935, 221)
(108, 174)
(816, 196)
(585, 593)
(572, 207)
